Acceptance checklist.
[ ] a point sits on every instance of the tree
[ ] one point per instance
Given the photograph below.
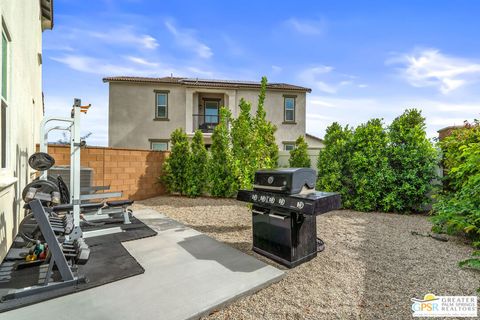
(175, 168)
(371, 174)
(412, 159)
(197, 166)
(333, 171)
(265, 145)
(299, 156)
(222, 175)
(243, 147)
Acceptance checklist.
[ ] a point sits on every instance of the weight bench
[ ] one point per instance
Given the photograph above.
(124, 204)
(102, 210)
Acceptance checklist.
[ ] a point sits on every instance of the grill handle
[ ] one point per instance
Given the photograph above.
(259, 186)
(257, 211)
(277, 216)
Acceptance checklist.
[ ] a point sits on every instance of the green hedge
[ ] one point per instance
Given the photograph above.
(457, 210)
(377, 168)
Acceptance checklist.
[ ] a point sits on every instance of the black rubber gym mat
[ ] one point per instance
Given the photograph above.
(109, 261)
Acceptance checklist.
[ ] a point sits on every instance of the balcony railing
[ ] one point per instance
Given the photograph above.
(205, 123)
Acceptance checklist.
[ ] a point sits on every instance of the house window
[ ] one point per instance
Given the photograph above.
(161, 110)
(159, 145)
(288, 146)
(289, 109)
(3, 135)
(211, 111)
(4, 67)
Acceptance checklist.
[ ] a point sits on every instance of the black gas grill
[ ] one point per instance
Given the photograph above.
(285, 207)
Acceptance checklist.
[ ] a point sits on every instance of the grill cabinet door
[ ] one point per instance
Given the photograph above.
(261, 228)
(280, 234)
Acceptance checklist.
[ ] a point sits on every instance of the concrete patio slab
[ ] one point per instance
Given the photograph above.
(187, 275)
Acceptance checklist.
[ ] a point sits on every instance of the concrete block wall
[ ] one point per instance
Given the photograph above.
(134, 172)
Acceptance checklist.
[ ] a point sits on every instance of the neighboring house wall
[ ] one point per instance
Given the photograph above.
(22, 108)
(284, 156)
(132, 122)
(274, 108)
(314, 143)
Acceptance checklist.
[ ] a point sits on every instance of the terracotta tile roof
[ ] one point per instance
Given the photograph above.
(209, 83)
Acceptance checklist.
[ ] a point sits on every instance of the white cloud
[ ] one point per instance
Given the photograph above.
(316, 78)
(306, 27)
(186, 39)
(431, 68)
(105, 68)
(125, 35)
(141, 61)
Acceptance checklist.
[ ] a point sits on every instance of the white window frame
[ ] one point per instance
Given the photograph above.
(4, 101)
(157, 93)
(288, 144)
(285, 97)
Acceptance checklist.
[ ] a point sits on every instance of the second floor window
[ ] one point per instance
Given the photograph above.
(289, 109)
(161, 110)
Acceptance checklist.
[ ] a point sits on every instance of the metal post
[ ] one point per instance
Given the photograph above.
(44, 136)
(75, 169)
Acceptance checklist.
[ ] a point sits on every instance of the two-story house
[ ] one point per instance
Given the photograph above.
(21, 103)
(143, 112)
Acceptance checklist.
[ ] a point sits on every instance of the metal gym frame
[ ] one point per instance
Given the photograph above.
(73, 126)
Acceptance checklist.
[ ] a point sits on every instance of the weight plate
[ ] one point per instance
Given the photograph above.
(44, 186)
(41, 161)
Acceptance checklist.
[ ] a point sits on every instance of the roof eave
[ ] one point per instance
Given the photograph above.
(46, 9)
(196, 85)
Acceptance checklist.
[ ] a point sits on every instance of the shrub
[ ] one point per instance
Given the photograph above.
(264, 142)
(371, 174)
(299, 156)
(332, 165)
(458, 211)
(175, 167)
(243, 147)
(412, 159)
(197, 166)
(451, 147)
(378, 169)
(221, 168)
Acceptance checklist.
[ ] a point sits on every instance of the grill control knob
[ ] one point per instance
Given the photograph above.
(270, 179)
(263, 198)
(271, 200)
(281, 201)
(254, 197)
(300, 204)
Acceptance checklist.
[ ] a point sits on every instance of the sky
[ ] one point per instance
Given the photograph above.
(362, 59)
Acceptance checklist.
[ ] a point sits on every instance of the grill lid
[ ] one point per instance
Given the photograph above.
(285, 181)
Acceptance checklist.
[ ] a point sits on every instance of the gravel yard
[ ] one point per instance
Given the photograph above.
(371, 267)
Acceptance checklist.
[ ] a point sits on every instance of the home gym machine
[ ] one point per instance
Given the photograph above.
(51, 235)
(82, 212)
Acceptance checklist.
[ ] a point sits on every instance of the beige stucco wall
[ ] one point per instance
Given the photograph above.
(274, 108)
(314, 143)
(132, 111)
(24, 112)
